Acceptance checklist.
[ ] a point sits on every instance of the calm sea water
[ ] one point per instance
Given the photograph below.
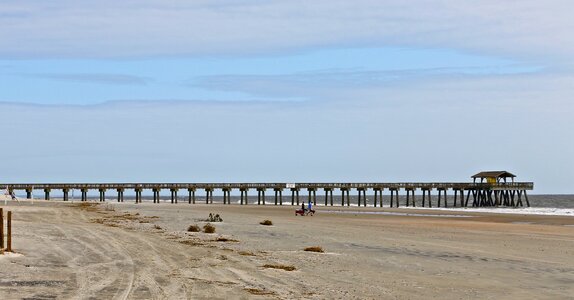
(556, 201)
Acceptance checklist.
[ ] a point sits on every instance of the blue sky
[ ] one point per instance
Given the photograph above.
(286, 91)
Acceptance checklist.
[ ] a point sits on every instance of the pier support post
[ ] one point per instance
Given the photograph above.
(395, 192)
(191, 195)
(208, 195)
(243, 194)
(155, 195)
(439, 196)
(120, 194)
(260, 196)
(408, 197)
(526, 198)
(173, 195)
(328, 193)
(102, 195)
(278, 196)
(138, 191)
(47, 194)
(295, 195)
(65, 194)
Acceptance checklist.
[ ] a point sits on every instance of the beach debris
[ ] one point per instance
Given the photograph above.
(259, 292)
(193, 228)
(208, 228)
(314, 249)
(214, 218)
(224, 239)
(246, 253)
(280, 267)
(266, 223)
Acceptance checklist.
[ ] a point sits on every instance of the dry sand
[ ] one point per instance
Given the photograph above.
(143, 251)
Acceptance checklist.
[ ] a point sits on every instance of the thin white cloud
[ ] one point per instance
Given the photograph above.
(119, 79)
(106, 28)
(320, 85)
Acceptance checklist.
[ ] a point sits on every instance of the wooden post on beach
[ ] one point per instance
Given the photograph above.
(1, 229)
(9, 239)
(65, 192)
(47, 194)
(342, 197)
(526, 198)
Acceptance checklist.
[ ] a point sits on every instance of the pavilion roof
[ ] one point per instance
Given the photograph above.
(496, 174)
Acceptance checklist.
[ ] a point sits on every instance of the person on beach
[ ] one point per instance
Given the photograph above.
(303, 207)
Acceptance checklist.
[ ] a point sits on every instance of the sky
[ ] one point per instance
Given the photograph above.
(286, 91)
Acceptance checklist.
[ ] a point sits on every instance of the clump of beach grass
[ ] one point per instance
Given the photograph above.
(266, 223)
(280, 267)
(208, 228)
(193, 228)
(314, 249)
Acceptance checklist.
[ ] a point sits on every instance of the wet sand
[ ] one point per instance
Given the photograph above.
(143, 251)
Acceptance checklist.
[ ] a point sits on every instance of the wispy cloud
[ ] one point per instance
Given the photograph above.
(311, 85)
(119, 79)
(529, 28)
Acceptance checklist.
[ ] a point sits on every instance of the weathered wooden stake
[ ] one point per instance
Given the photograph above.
(1, 230)
(9, 240)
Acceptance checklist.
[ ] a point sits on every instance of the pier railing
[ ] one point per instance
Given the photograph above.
(339, 185)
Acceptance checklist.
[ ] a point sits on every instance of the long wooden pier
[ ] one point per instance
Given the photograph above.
(462, 194)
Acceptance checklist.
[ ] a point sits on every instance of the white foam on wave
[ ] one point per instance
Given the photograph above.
(550, 211)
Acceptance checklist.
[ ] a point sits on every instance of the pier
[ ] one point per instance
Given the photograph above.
(492, 190)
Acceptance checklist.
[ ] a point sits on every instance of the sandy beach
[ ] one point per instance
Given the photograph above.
(144, 251)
